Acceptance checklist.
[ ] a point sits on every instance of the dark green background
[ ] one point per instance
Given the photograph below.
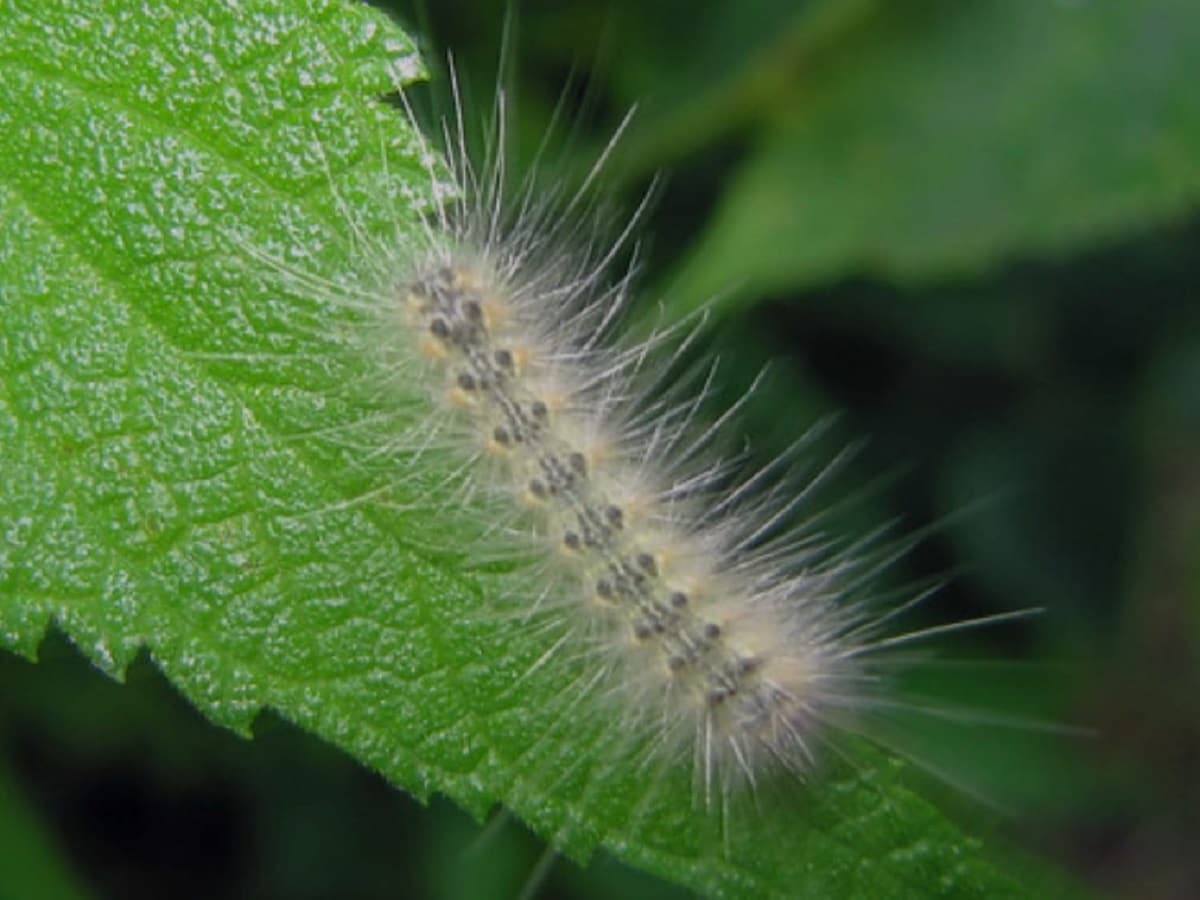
(1030, 392)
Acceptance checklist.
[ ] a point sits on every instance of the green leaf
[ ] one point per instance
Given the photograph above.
(177, 472)
(736, 69)
(31, 865)
(949, 136)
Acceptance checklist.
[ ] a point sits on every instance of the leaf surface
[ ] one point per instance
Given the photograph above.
(175, 473)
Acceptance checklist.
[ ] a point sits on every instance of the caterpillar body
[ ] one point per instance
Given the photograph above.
(717, 630)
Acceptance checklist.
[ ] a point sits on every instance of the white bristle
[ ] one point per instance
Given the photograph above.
(718, 632)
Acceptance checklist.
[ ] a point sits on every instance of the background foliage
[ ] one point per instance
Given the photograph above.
(971, 228)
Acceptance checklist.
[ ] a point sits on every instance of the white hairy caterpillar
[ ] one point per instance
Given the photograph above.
(665, 617)
(715, 632)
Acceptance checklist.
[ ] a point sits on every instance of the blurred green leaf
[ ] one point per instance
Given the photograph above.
(32, 867)
(742, 56)
(948, 136)
(176, 472)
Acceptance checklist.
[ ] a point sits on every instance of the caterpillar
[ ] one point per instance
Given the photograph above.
(718, 627)
(695, 601)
